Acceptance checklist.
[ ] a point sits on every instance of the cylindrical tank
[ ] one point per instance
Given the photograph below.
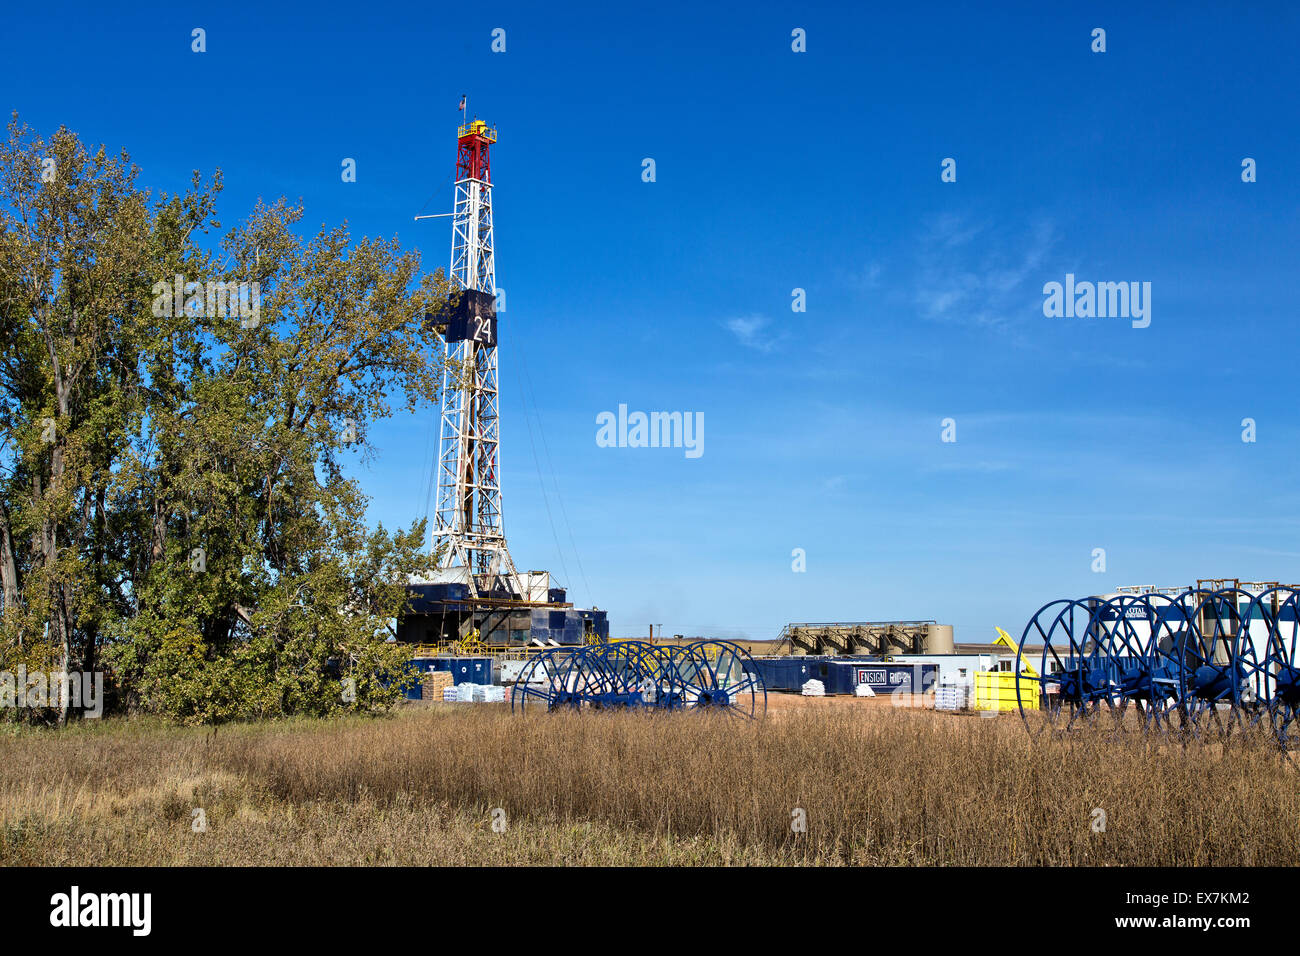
(938, 639)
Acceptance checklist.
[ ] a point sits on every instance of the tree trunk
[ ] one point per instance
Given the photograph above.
(8, 568)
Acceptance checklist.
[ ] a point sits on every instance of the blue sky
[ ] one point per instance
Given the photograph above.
(778, 170)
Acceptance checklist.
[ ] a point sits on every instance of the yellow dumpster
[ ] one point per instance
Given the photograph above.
(996, 690)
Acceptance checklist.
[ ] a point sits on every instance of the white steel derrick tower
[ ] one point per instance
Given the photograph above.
(468, 519)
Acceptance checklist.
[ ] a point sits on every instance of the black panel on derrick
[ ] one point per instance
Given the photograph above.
(471, 315)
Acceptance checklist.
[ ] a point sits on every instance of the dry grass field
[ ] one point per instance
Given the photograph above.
(878, 785)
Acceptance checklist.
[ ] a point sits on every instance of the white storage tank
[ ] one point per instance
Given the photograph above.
(938, 639)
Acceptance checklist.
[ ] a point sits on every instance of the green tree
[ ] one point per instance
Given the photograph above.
(173, 498)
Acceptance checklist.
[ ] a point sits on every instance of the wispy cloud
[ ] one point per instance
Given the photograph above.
(971, 273)
(951, 231)
(752, 332)
(869, 277)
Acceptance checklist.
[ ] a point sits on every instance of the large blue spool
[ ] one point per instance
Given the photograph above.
(1207, 663)
(717, 676)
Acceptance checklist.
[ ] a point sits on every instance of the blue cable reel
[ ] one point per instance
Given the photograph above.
(1168, 622)
(555, 679)
(1224, 685)
(1279, 610)
(627, 674)
(573, 678)
(1065, 645)
(1137, 638)
(717, 676)
(1213, 665)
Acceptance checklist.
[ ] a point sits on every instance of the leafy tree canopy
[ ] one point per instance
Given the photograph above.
(173, 503)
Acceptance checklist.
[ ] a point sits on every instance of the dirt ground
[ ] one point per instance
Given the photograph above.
(780, 702)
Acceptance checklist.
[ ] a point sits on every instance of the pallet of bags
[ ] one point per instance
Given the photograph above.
(435, 684)
(487, 693)
(814, 688)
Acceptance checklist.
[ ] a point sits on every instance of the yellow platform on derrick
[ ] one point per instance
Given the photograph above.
(478, 128)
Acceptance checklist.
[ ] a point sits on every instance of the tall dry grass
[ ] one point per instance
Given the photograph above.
(877, 785)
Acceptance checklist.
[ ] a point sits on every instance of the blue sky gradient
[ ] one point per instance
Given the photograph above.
(779, 170)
